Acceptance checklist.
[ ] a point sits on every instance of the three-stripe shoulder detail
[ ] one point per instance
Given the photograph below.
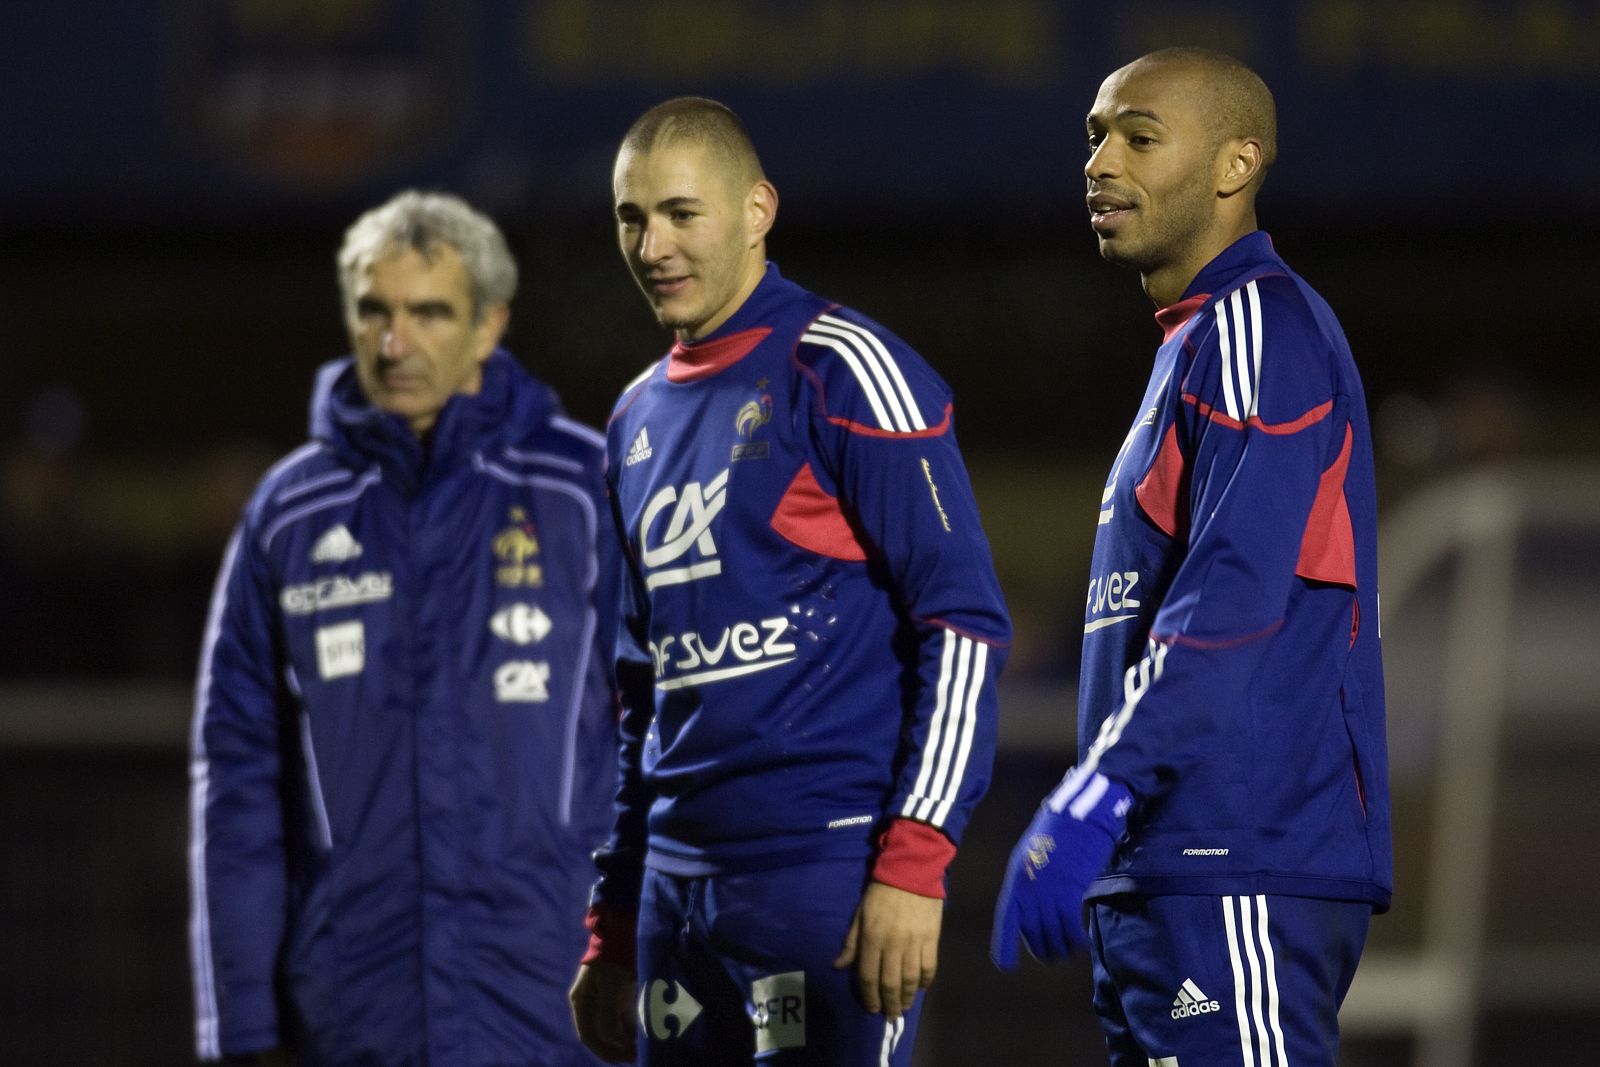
(893, 404)
(1240, 339)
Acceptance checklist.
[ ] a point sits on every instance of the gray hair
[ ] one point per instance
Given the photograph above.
(424, 221)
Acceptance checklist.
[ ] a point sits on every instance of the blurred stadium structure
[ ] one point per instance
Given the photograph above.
(183, 170)
(1489, 581)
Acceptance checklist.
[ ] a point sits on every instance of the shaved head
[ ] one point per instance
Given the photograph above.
(695, 120)
(1179, 142)
(1237, 103)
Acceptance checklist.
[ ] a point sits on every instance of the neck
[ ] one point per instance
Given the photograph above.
(1166, 284)
(754, 272)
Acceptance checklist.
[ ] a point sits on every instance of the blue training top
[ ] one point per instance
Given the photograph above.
(812, 627)
(1232, 677)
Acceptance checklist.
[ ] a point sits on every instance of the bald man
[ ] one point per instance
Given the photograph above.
(812, 635)
(1227, 822)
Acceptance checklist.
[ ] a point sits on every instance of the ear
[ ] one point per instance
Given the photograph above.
(1238, 163)
(760, 210)
(492, 327)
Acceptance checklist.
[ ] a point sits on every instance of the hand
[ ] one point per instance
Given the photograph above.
(1065, 847)
(602, 1010)
(894, 940)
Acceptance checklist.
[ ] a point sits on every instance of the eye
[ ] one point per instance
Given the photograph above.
(1141, 140)
(681, 215)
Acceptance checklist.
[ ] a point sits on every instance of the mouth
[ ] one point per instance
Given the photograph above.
(1107, 211)
(395, 380)
(666, 287)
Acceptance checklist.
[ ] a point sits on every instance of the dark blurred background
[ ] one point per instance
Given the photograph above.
(179, 174)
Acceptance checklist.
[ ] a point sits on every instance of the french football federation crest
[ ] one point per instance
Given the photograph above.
(514, 547)
(752, 416)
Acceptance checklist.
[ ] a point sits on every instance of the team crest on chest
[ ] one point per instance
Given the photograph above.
(752, 416)
(516, 549)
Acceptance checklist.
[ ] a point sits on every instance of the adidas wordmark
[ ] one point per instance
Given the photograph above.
(1190, 1001)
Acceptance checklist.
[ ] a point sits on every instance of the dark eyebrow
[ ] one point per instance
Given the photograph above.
(1092, 120)
(670, 204)
(1138, 113)
(432, 307)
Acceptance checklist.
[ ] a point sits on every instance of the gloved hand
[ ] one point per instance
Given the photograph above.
(1066, 846)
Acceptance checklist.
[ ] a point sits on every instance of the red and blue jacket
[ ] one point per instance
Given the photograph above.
(812, 628)
(1232, 675)
(404, 737)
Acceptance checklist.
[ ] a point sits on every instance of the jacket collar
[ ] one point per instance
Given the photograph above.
(733, 340)
(509, 403)
(1251, 254)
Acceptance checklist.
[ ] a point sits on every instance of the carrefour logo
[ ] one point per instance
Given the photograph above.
(687, 527)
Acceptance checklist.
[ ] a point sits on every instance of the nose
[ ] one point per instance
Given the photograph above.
(1105, 161)
(395, 341)
(654, 243)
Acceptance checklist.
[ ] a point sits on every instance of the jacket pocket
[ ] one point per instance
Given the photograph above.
(1356, 729)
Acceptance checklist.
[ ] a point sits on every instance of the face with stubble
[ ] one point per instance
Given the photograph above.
(1153, 170)
(693, 238)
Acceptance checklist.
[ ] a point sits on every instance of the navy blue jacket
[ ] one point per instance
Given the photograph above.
(1232, 675)
(404, 737)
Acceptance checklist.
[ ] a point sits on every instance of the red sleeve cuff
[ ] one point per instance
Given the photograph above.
(913, 856)
(611, 937)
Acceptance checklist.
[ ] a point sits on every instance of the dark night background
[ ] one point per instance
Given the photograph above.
(180, 172)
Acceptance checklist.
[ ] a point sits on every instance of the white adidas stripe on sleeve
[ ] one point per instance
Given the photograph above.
(1239, 336)
(884, 367)
(1135, 683)
(962, 668)
(875, 369)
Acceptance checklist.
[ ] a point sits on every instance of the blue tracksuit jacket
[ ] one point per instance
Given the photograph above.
(1232, 677)
(812, 625)
(404, 739)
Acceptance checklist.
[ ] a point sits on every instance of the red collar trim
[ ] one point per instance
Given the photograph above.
(1172, 318)
(695, 360)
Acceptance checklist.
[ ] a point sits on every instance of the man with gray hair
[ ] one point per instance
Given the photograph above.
(404, 722)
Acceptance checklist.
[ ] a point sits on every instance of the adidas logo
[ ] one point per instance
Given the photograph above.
(335, 546)
(640, 450)
(1191, 1002)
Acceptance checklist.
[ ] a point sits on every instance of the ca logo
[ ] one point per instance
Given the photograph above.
(655, 1009)
(690, 525)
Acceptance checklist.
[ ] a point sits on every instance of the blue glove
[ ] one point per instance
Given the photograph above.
(1066, 846)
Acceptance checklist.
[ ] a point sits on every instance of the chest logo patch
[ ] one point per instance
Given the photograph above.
(336, 546)
(522, 682)
(341, 650)
(687, 531)
(521, 624)
(516, 548)
(751, 417)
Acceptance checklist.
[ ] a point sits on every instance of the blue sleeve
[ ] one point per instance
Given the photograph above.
(595, 785)
(1261, 427)
(621, 860)
(237, 865)
(883, 425)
